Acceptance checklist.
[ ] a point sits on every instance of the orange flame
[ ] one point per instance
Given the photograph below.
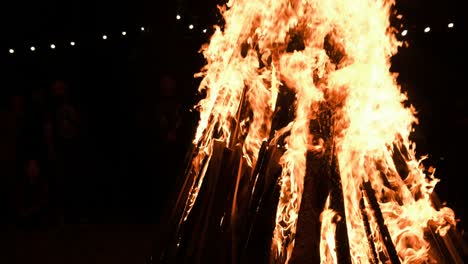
(250, 58)
(327, 231)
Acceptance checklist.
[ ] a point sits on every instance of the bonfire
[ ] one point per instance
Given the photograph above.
(302, 152)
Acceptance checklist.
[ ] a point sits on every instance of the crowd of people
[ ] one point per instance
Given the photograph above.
(45, 154)
(40, 133)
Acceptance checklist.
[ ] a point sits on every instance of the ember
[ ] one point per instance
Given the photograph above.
(302, 152)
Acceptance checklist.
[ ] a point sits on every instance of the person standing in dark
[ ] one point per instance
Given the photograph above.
(63, 137)
(171, 135)
(172, 121)
(11, 119)
(168, 113)
(32, 200)
(33, 167)
(33, 131)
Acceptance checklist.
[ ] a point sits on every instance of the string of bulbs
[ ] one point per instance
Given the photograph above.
(403, 33)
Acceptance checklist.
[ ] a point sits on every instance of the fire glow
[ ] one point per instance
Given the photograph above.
(334, 56)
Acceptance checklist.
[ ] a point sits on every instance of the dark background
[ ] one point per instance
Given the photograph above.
(125, 171)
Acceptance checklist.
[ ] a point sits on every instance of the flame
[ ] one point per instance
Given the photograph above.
(334, 52)
(327, 231)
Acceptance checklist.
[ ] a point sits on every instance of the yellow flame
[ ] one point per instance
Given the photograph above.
(250, 58)
(327, 232)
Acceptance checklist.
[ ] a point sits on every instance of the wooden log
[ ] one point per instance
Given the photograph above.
(236, 196)
(243, 110)
(337, 204)
(219, 222)
(387, 239)
(453, 243)
(191, 245)
(172, 225)
(261, 220)
(400, 158)
(284, 111)
(250, 190)
(316, 190)
(322, 179)
(370, 238)
(449, 248)
(260, 165)
(217, 225)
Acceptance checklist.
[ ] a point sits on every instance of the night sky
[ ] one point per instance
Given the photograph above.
(112, 78)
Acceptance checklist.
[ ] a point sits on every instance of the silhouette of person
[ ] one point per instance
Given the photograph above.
(32, 196)
(11, 118)
(64, 135)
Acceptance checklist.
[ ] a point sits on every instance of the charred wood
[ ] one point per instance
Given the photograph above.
(337, 204)
(370, 238)
(262, 210)
(387, 239)
(316, 190)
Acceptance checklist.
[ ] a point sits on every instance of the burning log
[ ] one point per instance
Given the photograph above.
(337, 204)
(370, 238)
(452, 245)
(293, 162)
(214, 217)
(260, 224)
(387, 239)
(172, 230)
(316, 191)
(201, 214)
(321, 181)
(443, 245)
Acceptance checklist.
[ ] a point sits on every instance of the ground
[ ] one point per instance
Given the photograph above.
(85, 244)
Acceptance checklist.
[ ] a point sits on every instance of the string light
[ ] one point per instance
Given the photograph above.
(204, 30)
(53, 46)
